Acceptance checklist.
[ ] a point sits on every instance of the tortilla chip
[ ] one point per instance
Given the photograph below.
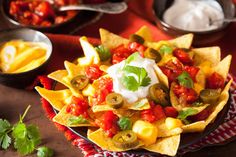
(156, 45)
(145, 32)
(65, 76)
(201, 125)
(223, 67)
(100, 138)
(73, 69)
(184, 41)
(91, 55)
(63, 118)
(211, 54)
(163, 131)
(101, 108)
(110, 40)
(166, 145)
(161, 76)
(58, 99)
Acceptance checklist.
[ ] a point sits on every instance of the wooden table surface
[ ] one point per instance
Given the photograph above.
(14, 101)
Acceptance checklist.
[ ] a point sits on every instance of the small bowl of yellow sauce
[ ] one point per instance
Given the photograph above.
(24, 54)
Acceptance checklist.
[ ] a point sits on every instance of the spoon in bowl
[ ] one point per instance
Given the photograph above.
(107, 7)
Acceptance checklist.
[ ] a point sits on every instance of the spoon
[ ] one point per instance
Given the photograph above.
(223, 20)
(108, 7)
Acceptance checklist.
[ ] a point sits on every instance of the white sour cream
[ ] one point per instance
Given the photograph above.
(194, 15)
(116, 73)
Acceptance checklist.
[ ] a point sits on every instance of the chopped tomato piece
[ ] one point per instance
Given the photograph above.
(109, 123)
(45, 10)
(192, 70)
(134, 46)
(153, 114)
(183, 56)
(79, 106)
(203, 115)
(186, 95)
(120, 53)
(172, 69)
(93, 72)
(171, 112)
(215, 81)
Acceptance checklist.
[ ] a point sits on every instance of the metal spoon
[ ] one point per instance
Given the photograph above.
(224, 20)
(108, 7)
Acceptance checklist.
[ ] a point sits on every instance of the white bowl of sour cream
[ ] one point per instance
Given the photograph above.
(177, 17)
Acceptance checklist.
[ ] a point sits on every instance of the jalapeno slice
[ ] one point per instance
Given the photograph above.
(136, 38)
(152, 54)
(115, 100)
(79, 82)
(125, 139)
(159, 94)
(209, 96)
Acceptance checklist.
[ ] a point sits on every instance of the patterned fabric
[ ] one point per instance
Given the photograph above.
(221, 135)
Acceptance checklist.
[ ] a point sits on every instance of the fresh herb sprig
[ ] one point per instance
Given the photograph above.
(26, 137)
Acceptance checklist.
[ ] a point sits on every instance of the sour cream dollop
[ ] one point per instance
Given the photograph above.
(194, 15)
(116, 73)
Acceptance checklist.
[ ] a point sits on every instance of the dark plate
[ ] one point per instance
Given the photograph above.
(82, 19)
(187, 139)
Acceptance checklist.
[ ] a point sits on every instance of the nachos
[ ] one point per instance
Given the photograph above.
(138, 93)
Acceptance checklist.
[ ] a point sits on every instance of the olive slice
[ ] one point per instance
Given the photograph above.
(79, 82)
(136, 38)
(152, 54)
(159, 94)
(115, 100)
(125, 139)
(209, 95)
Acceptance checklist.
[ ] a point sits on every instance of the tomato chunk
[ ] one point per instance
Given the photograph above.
(109, 123)
(93, 72)
(171, 112)
(215, 81)
(79, 106)
(203, 115)
(183, 56)
(120, 53)
(134, 46)
(186, 95)
(192, 70)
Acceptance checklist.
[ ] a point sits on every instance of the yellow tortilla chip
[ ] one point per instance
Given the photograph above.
(161, 76)
(223, 67)
(73, 69)
(156, 45)
(211, 54)
(163, 131)
(110, 40)
(63, 118)
(58, 99)
(145, 32)
(100, 138)
(184, 41)
(91, 55)
(166, 145)
(200, 125)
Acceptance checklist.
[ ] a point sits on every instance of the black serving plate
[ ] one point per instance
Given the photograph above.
(186, 140)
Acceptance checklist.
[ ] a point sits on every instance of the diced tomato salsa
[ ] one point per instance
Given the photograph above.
(78, 106)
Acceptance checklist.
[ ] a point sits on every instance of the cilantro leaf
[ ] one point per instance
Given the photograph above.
(77, 120)
(125, 123)
(130, 83)
(45, 152)
(132, 57)
(26, 138)
(103, 52)
(5, 140)
(135, 77)
(165, 49)
(185, 113)
(185, 80)
(5, 127)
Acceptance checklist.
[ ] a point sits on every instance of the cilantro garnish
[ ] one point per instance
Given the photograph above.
(165, 49)
(185, 113)
(26, 137)
(185, 80)
(134, 77)
(132, 57)
(103, 52)
(125, 123)
(44, 152)
(77, 120)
